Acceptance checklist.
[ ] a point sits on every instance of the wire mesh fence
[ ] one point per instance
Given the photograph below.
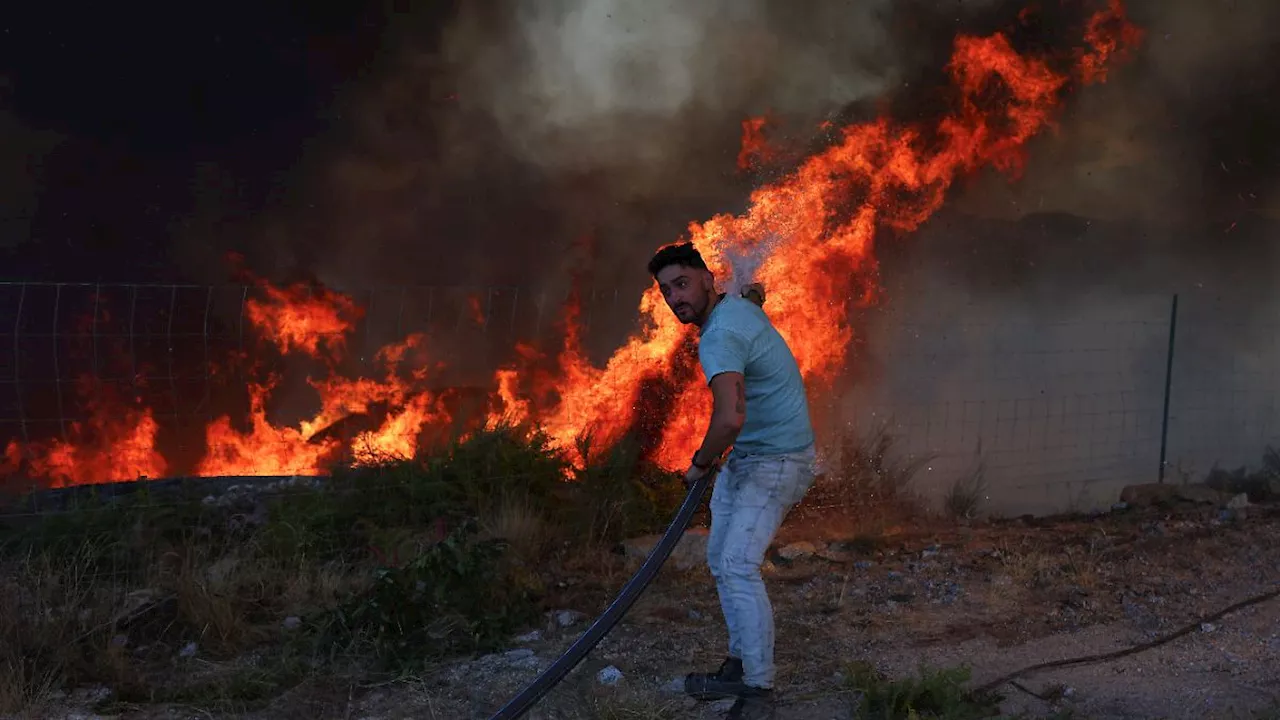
(1060, 410)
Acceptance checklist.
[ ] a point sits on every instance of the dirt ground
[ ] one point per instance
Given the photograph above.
(993, 596)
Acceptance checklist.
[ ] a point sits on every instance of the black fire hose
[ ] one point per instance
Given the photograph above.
(541, 685)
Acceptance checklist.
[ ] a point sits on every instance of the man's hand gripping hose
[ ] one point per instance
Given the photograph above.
(549, 678)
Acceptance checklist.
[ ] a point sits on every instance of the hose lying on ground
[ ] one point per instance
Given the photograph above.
(586, 642)
(1117, 654)
(552, 676)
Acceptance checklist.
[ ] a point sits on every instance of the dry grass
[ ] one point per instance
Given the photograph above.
(871, 483)
(63, 621)
(968, 493)
(1087, 566)
(120, 596)
(627, 704)
(1037, 566)
(1028, 566)
(868, 472)
(519, 522)
(56, 618)
(383, 570)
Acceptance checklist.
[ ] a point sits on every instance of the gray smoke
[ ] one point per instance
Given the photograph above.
(518, 142)
(579, 84)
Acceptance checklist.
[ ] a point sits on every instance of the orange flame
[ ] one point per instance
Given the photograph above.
(299, 318)
(815, 229)
(266, 449)
(513, 409)
(1109, 33)
(117, 442)
(755, 149)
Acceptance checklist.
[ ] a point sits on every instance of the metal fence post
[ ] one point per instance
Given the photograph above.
(1168, 385)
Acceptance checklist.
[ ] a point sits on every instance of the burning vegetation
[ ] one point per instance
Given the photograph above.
(814, 231)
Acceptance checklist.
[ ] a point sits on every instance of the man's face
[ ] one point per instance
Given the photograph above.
(688, 292)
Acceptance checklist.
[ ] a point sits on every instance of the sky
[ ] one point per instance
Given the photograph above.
(109, 118)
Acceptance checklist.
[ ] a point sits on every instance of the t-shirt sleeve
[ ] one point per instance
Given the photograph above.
(722, 350)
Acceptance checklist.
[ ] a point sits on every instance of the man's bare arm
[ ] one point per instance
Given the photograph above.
(728, 413)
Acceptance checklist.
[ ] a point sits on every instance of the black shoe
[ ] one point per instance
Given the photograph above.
(753, 704)
(723, 683)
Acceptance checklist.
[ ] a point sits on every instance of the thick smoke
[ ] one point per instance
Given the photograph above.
(499, 135)
(579, 84)
(525, 127)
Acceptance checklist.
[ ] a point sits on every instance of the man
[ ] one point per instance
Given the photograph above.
(759, 408)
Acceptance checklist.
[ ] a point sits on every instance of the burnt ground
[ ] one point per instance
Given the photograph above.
(993, 596)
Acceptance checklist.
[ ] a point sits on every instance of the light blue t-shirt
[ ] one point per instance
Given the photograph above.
(738, 337)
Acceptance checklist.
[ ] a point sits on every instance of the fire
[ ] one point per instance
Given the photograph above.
(512, 408)
(1109, 33)
(813, 233)
(265, 449)
(117, 442)
(816, 228)
(302, 319)
(315, 323)
(755, 150)
(597, 392)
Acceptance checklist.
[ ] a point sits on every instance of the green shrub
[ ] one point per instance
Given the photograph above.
(391, 507)
(933, 695)
(453, 597)
(619, 494)
(113, 536)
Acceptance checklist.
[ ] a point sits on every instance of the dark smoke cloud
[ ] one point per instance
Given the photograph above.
(1163, 178)
(490, 139)
(499, 134)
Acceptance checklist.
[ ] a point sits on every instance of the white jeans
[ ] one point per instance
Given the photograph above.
(752, 496)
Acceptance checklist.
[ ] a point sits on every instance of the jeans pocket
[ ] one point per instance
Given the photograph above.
(798, 478)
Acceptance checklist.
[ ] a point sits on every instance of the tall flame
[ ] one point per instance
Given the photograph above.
(814, 231)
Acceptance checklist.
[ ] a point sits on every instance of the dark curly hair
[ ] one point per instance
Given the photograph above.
(683, 254)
